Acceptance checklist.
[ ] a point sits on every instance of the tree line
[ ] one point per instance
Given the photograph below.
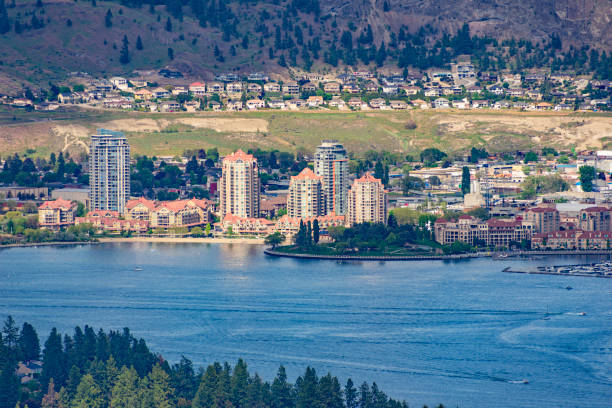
(99, 369)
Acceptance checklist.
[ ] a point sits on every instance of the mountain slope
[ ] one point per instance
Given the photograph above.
(207, 36)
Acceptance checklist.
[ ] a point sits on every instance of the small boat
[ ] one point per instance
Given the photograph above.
(582, 314)
(137, 269)
(523, 381)
(569, 288)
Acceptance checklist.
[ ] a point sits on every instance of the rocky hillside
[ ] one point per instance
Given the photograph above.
(45, 40)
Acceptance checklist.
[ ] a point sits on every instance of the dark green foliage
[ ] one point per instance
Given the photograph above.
(108, 20)
(169, 25)
(587, 175)
(432, 155)
(29, 343)
(5, 24)
(477, 154)
(531, 157)
(315, 231)
(124, 56)
(170, 53)
(465, 180)
(139, 43)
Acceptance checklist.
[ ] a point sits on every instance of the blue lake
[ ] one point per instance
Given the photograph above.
(458, 333)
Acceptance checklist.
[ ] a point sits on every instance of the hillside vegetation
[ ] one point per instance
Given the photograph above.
(170, 134)
(45, 40)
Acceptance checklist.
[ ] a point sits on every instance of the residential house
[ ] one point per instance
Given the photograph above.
(234, 88)
(398, 104)
(119, 83)
(276, 104)
(432, 92)
(289, 226)
(110, 222)
(232, 224)
(170, 214)
(214, 88)
(160, 93)
(351, 88)
(272, 87)
(234, 105)
(314, 101)
(254, 88)
(254, 104)
(138, 82)
(179, 90)
(377, 103)
(291, 88)
(192, 106)
(371, 87)
(411, 90)
(309, 87)
(143, 95)
(197, 89)
(356, 103)
(441, 103)
(170, 106)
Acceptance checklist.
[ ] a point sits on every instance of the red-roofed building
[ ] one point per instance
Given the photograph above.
(168, 214)
(594, 219)
(244, 225)
(305, 197)
(367, 201)
(57, 213)
(493, 232)
(197, 89)
(290, 226)
(109, 221)
(543, 219)
(574, 239)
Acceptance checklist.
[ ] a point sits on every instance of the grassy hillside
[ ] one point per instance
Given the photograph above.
(169, 134)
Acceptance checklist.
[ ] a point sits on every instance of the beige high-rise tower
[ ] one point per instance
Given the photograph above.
(109, 171)
(305, 195)
(239, 186)
(367, 201)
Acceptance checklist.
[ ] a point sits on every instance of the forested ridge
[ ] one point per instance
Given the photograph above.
(204, 37)
(99, 369)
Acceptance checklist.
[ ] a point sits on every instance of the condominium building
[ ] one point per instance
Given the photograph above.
(594, 219)
(367, 201)
(166, 214)
(543, 219)
(239, 186)
(109, 171)
(331, 163)
(305, 197)
(57, 213)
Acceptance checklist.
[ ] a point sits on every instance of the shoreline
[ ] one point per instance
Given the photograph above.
(499, 255)
(160, 240)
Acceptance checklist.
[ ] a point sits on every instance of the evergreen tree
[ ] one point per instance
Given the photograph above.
(465, 180)
(29, 343)
(10, 332)
(170, 54)
(169, 25)
(315, 231)
(139, 43)
(160, 389)
(205, 396)
(281, 391)
(392, 221)
(245, 41)
(124, 56)
(183, 379)
(239, 384)
(9, 383)
(54, 361)
(350, 393)
(88, 394)
(108, 20)
(379, 171)
(306, 389)
(5, 24)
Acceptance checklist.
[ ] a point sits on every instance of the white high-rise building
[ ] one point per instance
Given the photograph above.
(305, 198)
(239, 186)
(109, 171)
(331, 163)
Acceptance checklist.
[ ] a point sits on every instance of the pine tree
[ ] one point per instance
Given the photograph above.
(108, 20)
(53, 361)
(465, 180)
(124, 56)
(139, 43)
(307, 389)
(315, 231)
(281, 390)
(239, 384)
(124, 392)
(88, 394)
(350, 394)
(170, 54)
(161, 391)
(5, 24)
(169, 25)
(29, 343)
(11, 332)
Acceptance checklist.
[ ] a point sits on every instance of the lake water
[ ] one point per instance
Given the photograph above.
(458, 333)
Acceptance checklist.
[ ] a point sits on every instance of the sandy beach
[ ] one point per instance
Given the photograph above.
(257, 241)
